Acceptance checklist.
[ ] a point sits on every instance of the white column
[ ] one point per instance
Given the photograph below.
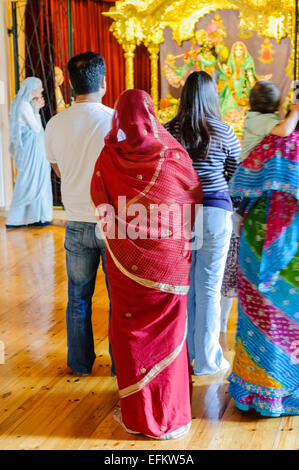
(6, 174)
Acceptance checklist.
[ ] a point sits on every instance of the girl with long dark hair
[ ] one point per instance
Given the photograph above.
(214, 150)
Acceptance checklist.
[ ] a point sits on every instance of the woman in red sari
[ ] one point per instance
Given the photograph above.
(148, 261)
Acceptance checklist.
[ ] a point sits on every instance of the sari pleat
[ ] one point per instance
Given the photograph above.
(146, 327)
(265, 374)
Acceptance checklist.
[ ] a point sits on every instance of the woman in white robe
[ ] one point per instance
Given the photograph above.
(32, 201)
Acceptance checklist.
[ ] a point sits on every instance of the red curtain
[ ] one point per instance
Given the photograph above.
(39, 61)
(47, 45)
(91, 32)
(58, 22)
(142, 72)
(46, 42)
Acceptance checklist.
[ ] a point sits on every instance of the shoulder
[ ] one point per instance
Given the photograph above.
(96, 114)
(60, 118)
(177, 155)
(173, 123)
(173, 127)
(25, 107)
(271, 117)
(54, 121)
(222, 130)
(220, 126)
(106, 110)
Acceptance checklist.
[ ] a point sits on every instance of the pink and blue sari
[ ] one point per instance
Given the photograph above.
(265, 374)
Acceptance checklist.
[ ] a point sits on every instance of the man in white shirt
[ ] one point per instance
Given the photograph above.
(74, 139)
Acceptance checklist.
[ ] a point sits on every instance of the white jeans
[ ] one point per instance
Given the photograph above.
(206, 274)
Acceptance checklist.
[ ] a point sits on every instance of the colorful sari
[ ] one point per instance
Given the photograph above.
(265, 374)
(148, 274)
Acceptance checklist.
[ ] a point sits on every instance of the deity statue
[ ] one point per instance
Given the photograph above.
(206, 46)
(234, 72)
(235, 80)
(59, 79)
(201, 56)
(238, 73)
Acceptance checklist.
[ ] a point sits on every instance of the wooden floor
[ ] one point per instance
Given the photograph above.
(44, 406)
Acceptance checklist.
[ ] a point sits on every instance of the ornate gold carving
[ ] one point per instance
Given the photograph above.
(129, 49)
(145, 21)
(137, 21)
(154, 58)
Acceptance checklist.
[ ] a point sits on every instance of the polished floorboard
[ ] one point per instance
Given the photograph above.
(44, 406)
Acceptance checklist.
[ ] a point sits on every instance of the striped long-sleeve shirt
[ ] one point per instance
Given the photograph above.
(221, 164)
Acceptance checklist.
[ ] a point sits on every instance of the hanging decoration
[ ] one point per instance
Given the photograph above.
(266, 51)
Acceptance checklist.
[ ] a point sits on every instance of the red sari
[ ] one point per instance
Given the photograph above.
(148, 274)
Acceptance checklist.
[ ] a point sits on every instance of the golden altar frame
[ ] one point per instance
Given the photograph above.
(144, 21)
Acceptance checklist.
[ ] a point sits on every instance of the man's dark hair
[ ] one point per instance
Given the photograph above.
(264, 97)
(86, 72)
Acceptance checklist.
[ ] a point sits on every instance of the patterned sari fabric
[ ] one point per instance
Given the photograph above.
(148, 275)
(265, 373)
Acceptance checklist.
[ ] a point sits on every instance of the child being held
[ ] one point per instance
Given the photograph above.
(263, 120)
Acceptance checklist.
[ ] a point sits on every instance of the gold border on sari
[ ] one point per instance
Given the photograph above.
(163, 287)
(134, 388)
(161, 160)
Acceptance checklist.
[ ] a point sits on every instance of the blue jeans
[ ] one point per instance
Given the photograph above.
(206, 274)
(83, 253)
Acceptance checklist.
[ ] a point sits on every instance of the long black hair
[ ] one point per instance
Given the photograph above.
(199, 101)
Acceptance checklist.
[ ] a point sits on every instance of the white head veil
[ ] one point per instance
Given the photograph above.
(24, 94)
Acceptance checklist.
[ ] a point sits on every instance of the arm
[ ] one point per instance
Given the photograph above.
(56, 169)
(49, 152)
(238, 215)
(288, 125)
(234, 150)
(30, 118)
(242, 206)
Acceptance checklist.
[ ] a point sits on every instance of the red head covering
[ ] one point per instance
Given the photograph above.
(146, 166)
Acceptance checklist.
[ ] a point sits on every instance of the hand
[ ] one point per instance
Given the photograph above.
(237, 220)
(294, 106)
(38, 103)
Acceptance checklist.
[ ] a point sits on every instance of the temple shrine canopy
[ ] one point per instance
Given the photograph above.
(145, 21)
